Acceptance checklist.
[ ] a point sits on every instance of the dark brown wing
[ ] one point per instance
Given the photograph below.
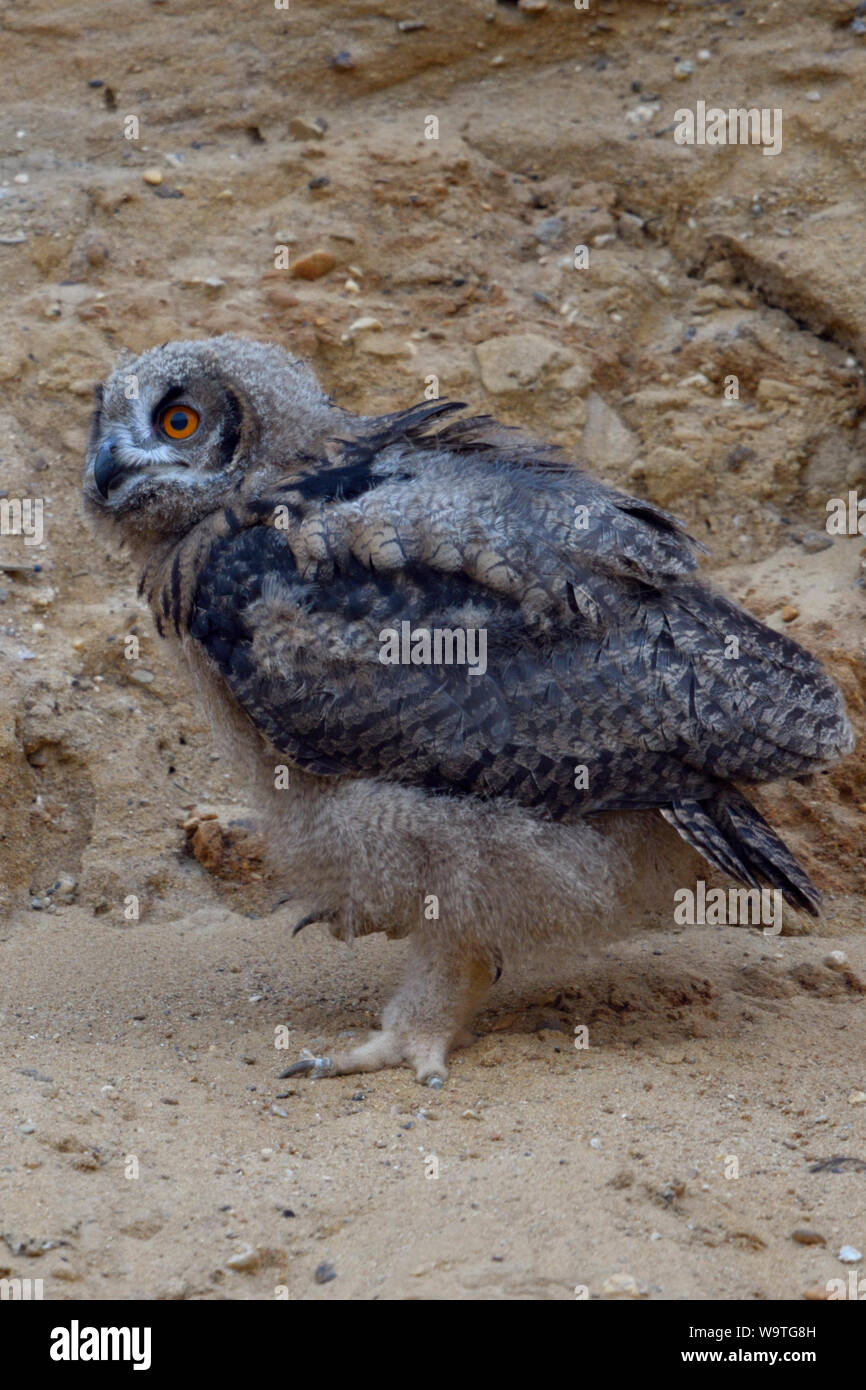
(650, 705)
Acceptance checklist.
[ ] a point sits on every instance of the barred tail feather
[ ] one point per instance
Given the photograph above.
(728, 831)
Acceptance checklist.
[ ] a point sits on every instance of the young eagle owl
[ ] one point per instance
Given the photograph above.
(303, 560)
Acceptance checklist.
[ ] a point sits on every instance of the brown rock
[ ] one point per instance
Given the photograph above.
(803, 1236)
(607, 440)
(515, 361)
(230, 852)
(281, 297)
(816, 1293)
(302, 129)
(313, 266)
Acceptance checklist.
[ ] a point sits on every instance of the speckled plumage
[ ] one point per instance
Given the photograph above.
(286, 536)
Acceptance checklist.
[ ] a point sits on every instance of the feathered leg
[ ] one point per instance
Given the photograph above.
(443, 986)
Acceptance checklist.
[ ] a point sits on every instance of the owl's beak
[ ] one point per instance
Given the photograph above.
(106, 466)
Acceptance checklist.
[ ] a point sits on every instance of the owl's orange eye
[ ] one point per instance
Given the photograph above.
(179, 421)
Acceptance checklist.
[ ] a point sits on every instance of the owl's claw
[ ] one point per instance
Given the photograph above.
(435, 1082)
(309, 1065)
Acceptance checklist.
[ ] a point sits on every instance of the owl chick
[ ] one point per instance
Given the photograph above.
(479, 694)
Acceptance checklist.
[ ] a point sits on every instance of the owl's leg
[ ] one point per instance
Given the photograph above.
(443, 985)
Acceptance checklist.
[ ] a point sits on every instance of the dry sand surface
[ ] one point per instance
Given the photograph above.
(147, 1149)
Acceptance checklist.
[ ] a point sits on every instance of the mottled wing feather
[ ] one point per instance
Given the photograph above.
(646, 700)
(475, 497)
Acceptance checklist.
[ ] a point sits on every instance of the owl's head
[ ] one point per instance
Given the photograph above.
(177, 428)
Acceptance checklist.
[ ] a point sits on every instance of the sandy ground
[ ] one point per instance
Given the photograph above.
(147, 1149)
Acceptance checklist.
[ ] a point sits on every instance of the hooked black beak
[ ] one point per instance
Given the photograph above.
(106, 467)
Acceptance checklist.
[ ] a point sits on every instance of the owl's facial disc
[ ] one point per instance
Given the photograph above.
(186, 438)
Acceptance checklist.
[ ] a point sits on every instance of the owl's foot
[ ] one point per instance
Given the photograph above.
(444, 984)
(384, 1048)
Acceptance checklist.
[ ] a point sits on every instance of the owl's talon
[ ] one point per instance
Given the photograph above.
(309, 1065)
(309, 919)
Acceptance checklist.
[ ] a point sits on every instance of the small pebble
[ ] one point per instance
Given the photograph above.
(245, 1260)
(313, 266)
(549, 231)
(64, 889)
(153, 177)
(789, 613)
(620, 1286)
(816, 1293)
(302, 129)
(836, 960)
(325, 1273)
(850, 1255)
(857, 1098)
(683, 69)
(281, 297)
(806, 1237)
(813, 541)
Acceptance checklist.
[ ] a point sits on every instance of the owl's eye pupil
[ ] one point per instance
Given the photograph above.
(179, 421)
